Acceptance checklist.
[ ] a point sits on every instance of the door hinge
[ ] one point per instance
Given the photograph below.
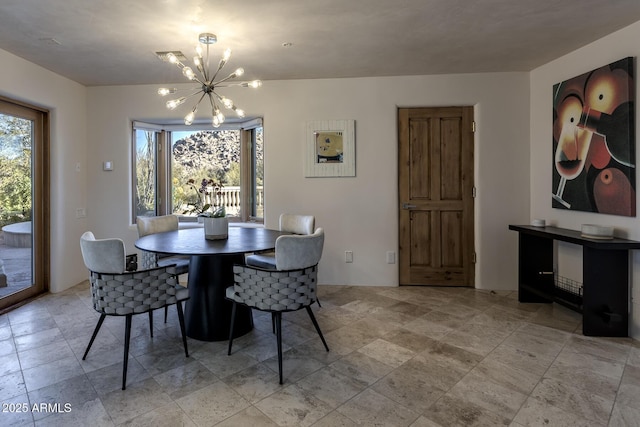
(473, 191)
(473, 257)
(473, 126)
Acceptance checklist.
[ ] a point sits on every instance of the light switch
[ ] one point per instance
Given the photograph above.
(107, 166)
(348, 256)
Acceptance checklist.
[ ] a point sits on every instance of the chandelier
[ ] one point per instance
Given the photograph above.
(207, 83)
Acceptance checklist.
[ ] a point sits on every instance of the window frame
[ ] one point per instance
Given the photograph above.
(40, 199)
(163, 178)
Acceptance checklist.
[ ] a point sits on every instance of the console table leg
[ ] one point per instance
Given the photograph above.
(535, 269)
(605, 292)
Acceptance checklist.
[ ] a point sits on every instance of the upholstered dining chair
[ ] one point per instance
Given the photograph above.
(115, 292)
(290, 286)
(297, 224)
(159, 224)
(291, 223)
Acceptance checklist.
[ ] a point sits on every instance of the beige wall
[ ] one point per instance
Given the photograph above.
(606, 50)
(91, 125)
(66, 101)
(360, 213)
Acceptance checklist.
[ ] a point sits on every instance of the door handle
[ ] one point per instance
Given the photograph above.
(408, 206)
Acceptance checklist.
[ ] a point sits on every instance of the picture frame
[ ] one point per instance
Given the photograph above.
(594, 160)
(330, 149)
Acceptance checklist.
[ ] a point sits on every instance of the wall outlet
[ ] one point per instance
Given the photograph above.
(348, 256)
(81, 213)
(391, 257)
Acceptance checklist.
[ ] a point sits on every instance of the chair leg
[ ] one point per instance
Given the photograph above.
(151, 323)
(315, 323)
(182, 328)
(233, 321)
(318, 301)
(166, 309)
(273, 322)
(127, 338)
(278, 320)
(93, 337)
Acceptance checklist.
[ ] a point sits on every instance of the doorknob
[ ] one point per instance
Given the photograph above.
(408, 206)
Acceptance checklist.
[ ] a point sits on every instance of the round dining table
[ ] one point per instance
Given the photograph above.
(208, 312)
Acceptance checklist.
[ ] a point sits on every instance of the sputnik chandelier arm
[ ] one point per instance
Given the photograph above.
(208, 83)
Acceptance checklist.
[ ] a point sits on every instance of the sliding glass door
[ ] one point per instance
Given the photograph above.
(24, 196)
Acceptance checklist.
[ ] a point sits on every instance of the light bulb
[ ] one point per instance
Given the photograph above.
(227, 102)
(220, 117)
(226, 55)
(239, 112)
(215, 122)
(196, 61)
(173, 103)
(255, 84)
(188, 119)
(188, 73)
(172, 58)
(199, 50)
(164, 91)
(239, 72)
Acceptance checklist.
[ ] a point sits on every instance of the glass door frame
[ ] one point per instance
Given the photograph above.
(40, 201)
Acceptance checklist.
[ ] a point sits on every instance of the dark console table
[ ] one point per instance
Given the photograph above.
(603, 298)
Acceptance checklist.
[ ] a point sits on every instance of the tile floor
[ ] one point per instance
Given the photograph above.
(409, 356)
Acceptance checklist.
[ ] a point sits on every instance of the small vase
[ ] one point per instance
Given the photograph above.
(216, 228)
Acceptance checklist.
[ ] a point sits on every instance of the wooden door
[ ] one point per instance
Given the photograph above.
(436, 196)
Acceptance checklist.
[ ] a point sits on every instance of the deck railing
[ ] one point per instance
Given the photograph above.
(229, 197)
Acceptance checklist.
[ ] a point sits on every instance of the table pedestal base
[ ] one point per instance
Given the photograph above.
(208, 312)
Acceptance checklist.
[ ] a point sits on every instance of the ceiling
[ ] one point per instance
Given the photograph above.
(99, 42)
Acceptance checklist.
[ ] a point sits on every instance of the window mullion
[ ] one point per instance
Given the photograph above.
(245, 175)
(164, 173)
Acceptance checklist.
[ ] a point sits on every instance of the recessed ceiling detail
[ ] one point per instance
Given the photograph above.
(165, 55)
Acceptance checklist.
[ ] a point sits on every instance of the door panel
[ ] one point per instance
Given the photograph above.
(436, 196)
(450, 159)
(420, 177)
(451, 223)
(421, 235)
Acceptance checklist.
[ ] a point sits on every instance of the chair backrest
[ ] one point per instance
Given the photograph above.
(102, 255)
(156, 224)
(299, 251)
(298, 224)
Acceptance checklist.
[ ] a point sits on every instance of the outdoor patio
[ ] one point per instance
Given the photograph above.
(17, 267)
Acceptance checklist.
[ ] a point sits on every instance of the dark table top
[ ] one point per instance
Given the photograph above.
(191, 241)
(575, 237)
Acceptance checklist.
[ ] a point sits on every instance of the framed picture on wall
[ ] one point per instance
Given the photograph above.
(330, 149)
(594, 161)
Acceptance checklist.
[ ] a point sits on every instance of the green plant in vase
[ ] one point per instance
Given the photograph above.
(207, 196)
(219, 212)
(216, 224)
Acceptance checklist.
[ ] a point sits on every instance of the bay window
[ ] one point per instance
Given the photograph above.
(176, 169)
